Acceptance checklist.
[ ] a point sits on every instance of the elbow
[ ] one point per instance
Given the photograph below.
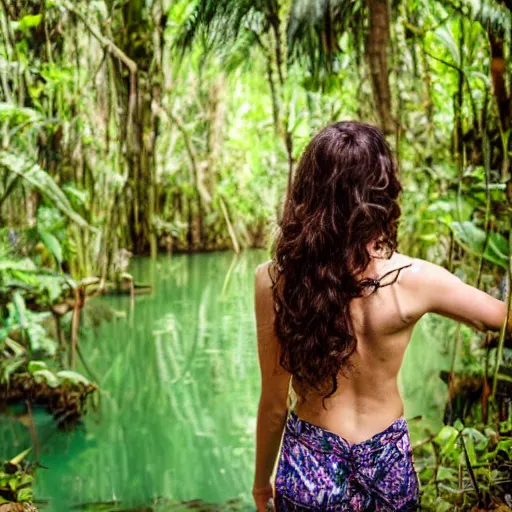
(501, 320)
(272, 413)
(480, 326)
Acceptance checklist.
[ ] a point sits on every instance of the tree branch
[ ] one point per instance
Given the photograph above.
(109, 45)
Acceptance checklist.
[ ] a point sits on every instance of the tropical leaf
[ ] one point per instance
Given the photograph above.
(446, 439)
(315, 29)
(26, 494)
(472, 238)
(446, 37)
(8, 111)
(46, 376)
(239, 54)
(39, 338)
(25, 264)
(223, 20)
(10, 366)
(54, 286)
(16, 348)
(52, 244)
(491, 15)
(35, 366)
(41, 180)
(30, 21)
(18, 458)
(21, 309)
(74, 377)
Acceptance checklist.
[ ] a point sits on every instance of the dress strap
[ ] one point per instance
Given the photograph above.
(376, 283)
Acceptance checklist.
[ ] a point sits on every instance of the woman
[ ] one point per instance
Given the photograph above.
(335, 310)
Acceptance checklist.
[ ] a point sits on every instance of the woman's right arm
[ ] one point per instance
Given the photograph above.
(444, 293)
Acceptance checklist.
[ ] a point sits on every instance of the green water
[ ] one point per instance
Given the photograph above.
(180, 383)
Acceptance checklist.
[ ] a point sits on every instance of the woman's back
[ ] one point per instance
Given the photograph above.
(367, 399)
(335, 310)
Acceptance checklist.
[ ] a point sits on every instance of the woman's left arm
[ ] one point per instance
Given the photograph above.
(274, 389)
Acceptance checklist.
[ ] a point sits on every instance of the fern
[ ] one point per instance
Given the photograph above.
(41, 180)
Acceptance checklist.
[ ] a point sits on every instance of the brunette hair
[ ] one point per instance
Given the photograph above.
(343, 197)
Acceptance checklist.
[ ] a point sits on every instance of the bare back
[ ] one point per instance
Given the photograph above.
(367, 400)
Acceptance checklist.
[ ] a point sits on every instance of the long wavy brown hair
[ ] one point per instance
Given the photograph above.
(343, 198)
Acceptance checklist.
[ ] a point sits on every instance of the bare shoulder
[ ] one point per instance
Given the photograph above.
(426, 274)
(427, 286)
(263, 297)
(432, 288)
(397, 262)
(420, 282)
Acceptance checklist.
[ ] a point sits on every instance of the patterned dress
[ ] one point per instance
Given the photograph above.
(319, 470)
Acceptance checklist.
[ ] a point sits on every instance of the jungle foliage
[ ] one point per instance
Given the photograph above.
(16, 478)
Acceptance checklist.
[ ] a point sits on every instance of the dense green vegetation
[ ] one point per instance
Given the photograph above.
(16, 478)
(134, 127)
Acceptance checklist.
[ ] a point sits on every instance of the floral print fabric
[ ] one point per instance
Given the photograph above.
(319, 470)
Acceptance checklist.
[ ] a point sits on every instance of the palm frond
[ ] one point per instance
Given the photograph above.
(239, 55)
(315, 29)
(494, 15)
(220, 21)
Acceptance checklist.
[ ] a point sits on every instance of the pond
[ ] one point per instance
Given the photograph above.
(179, 389)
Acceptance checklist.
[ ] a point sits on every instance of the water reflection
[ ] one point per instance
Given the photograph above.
(180, 385)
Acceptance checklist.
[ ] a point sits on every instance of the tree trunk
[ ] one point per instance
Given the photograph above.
(498, 79)
(503, 99)
(376, 50)
(141, 130)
